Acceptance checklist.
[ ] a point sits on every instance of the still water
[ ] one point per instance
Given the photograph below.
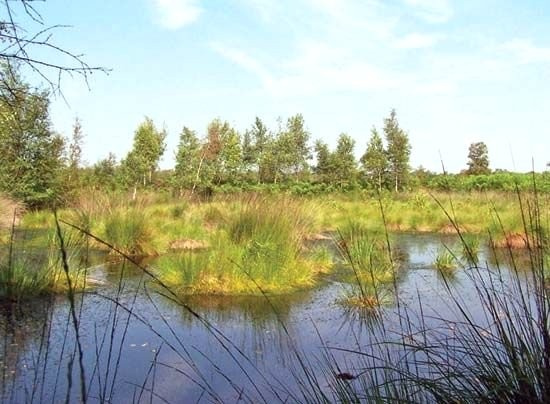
(140, 346)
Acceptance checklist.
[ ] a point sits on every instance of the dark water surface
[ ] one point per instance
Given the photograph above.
(140, 346)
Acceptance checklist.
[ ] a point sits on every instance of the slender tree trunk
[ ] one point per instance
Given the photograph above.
(197, 176)
(134, 194)
(396, 183)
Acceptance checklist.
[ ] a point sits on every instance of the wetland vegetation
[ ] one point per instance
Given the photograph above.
(253, 272)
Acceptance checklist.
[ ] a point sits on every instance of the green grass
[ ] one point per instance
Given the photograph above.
(256, 249)
(445, 261)
(26, 274)
(128, 230)
(371, 268)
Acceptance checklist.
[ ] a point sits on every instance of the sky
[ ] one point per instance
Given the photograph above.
(456, 72)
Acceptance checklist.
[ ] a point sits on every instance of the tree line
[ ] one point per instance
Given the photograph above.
(40, 167)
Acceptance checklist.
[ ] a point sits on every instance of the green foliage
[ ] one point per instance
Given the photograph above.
(445, 261)
(344, 164)
(74, 181)
(478, 159)
(31, 160)
(221, 154)
(188, 159)
(104, 174)
(398, 151)
(324, 168)
(375, 160)
(291, 149)
(142, 161)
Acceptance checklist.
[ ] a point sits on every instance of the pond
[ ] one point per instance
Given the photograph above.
(138, 345)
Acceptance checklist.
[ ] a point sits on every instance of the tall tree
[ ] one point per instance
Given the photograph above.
(255, 144)
(292, 147)
(74, 158)
(142, 161)
(478, 159)
(104, 173)
(375, 160)
(344, 164)
(188, 159)
(32, 154)
(398, 151)
(231, 157)
(323, 168)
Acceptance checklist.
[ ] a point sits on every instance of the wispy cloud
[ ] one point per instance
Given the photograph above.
(175, 14)
(417, 40)
(433, 11)
(525, 52)
(321, 69)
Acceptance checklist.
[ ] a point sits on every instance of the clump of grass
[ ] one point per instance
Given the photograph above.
(445, 261)
(178, 210)
(258, 249)
(181, 272)
(373, 269)
(471, 247)
(27, 274)
(322, 258)
(128, 230)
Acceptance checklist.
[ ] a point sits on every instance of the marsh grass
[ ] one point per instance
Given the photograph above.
(128, 229)
(28, 273)
(498, 354)
(256, 249)
(445, 261)
(373, 270)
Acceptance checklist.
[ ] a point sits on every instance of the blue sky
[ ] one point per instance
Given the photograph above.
(457, 72)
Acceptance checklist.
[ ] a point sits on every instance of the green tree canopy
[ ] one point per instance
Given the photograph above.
(188, 159)
(32, 154)
(343, 160)
(142, 161)
(478, 159)
(323, 168)
(398, 151)
(375, 160)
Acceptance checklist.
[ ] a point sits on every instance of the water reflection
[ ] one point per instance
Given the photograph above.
(209, 345)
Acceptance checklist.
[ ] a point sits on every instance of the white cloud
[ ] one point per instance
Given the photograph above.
(525, 52)
(433, 11)
(175, 14)
(245, 61)
(321, 69)
(417, 41)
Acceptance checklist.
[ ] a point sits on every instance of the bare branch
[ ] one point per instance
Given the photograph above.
(21, 46)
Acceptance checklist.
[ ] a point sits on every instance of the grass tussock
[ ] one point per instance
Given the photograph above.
(25, 274)
(129, 230)
(445, 261)
(372, 271)
(257, 249)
